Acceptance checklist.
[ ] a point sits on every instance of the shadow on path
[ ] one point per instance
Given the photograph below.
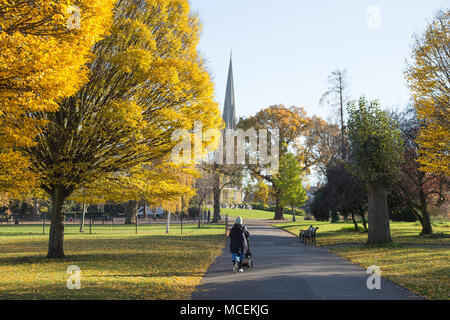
(285, 269)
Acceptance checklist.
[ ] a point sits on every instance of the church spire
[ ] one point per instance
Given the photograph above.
(229, 108)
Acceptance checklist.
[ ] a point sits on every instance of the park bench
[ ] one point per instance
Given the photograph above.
(309, 235)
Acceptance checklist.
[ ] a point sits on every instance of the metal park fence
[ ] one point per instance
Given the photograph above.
(169, 225)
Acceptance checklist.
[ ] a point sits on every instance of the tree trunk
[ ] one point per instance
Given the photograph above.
(362, 214)
(23, 209)
(56, 237)
(145, 210)
(199, 215)
(278, 208)
(101, 208)
(35, 208)
(278, 213)
(379, 230)
(83, 214)
(131, 217)
(354, 221)
(341, 99)
(425, 221)
(426, 226)
(216, 194)
(168, 223)
(343, 135)
(293, 215)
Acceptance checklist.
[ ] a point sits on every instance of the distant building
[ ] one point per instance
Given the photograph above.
(229, 107)
(230, 195)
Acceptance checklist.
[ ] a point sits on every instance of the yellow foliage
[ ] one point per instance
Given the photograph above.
(112, 141)
(42, 59)
(262, 192)
(164, 185)
(429, 83)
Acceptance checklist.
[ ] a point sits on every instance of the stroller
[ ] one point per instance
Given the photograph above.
(248, 262)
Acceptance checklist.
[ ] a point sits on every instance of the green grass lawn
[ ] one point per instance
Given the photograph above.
(420, 263)
(250, 214)
(122, 266)
(423, 270)
(344, 232)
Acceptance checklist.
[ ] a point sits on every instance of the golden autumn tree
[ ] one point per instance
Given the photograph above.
(322, 144)
(44, 46)
(162, 183)
(292, 123)
(429, 80)
(262, 192)
(146, 81)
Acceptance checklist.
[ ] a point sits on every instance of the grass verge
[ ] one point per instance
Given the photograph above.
(420, 263)
(112, 267)
(344, 232)
(423, 270)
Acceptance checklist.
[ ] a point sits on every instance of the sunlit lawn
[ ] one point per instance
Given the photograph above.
(113, 267)
(420, 263)
(423, 270)
(250, 214)
(344, 232)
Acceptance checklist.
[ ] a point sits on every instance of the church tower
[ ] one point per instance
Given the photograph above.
(230, 195)
(229, 108)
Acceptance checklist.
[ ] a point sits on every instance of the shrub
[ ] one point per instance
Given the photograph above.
(262, 207)
(334, 217)
(404, 214)
(298, 212)
(319, 206)
(193, 212)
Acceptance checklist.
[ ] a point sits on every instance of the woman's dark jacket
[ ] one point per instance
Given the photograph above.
(238, 239)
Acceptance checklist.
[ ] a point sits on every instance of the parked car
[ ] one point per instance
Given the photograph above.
(140, 212)
(159, 212)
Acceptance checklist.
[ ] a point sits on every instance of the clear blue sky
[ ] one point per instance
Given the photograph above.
(284, 50)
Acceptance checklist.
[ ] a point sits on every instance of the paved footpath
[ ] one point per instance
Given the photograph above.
(285, 269)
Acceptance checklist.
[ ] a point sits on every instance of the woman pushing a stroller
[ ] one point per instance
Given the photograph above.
(239, 245)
